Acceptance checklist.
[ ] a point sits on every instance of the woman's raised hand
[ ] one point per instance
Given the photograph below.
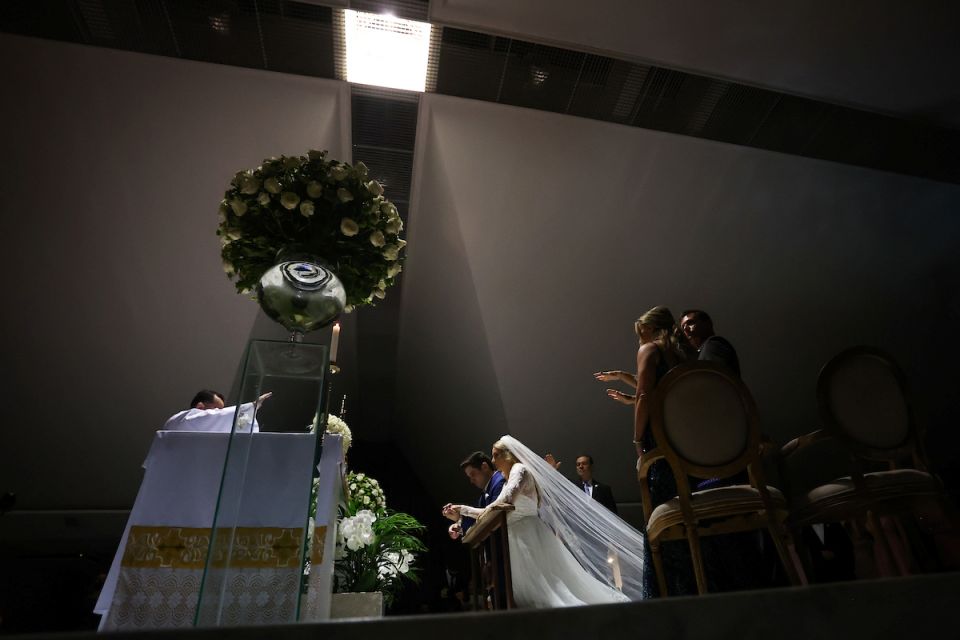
(607, 376)
(621, 397)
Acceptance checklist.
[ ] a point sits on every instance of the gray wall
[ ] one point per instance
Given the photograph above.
(548, 235)
(117, 308)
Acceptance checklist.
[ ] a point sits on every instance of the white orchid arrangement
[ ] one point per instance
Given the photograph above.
(326, 208)
(375, 548)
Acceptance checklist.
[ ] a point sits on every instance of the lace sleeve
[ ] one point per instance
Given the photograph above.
(518, 473)
(513, 486)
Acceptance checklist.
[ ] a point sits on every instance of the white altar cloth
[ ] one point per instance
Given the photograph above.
(155, 578)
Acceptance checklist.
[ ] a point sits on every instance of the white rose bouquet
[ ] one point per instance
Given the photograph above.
(375, 548)
(336, 426)
(365, 493)
(322, 207)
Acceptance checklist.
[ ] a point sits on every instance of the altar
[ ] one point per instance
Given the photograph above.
(161, 576)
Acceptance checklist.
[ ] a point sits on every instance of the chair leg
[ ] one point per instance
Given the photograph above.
(887, 565)
(658, 567)
(865, 566)
(788, 554)
(696, 556)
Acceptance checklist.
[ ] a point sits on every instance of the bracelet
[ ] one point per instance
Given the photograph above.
(637, 442)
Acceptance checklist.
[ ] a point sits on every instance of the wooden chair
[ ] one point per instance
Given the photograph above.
(864, 408)
(705, 424)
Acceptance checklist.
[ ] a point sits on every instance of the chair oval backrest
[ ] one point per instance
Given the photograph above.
(705, 418)
(862, 396)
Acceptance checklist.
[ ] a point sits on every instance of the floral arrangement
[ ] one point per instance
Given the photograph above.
(321, 207)
(365, 493)
(336, 426)
(375, 547)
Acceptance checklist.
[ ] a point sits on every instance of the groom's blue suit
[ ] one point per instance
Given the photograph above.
(490, 493)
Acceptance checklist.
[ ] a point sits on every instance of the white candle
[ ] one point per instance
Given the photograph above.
(335, 342)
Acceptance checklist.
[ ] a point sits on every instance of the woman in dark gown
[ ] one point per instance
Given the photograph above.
(660, 350)
(732, 561)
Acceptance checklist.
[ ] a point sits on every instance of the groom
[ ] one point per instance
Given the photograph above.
(480, 472)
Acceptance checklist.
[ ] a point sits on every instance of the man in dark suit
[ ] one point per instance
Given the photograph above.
(697, 327)
(599, 492)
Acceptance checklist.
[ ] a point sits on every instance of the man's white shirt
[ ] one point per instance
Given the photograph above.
(217, 420)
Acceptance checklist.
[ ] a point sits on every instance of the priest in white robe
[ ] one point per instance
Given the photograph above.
(208, 413)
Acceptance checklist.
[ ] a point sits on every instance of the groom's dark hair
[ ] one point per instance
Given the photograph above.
(476, 460)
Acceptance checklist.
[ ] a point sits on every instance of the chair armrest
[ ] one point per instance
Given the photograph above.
(803, 441)
(648, 458)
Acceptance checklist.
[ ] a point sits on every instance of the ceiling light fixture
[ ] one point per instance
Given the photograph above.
(386, 51)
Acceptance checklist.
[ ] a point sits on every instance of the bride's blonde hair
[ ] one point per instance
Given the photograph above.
(500, 446)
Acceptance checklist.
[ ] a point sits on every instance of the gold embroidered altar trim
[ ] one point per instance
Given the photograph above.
(186, 547)
(319, 540)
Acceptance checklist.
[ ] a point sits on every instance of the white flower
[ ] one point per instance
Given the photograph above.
(272, 185)
(401, 243)
(377, 239)
(291, 163)
(239, 206)
(313, 154)
(361, 476)
(375, 188)
(394, 225)
(354, 543)
(366, 517)
(366, 499)
(393, 270)
(348, 227)
(381, 285)
(338, 426)
(314, 189)
(344, 195)
(306, 208)
(339, 171)
(228, 267)
(353, 486)
(289, 200)
(222, 209)
(391, 252)
(233, 234)
(362, 168)
(263, 198)
(389, 208)
(249, 185)
(380, 294)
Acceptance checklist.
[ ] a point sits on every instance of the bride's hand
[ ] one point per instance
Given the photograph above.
(621, 397)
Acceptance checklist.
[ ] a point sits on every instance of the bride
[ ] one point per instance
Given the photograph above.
(565, 548)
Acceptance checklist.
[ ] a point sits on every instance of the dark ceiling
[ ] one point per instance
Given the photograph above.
(298, 37)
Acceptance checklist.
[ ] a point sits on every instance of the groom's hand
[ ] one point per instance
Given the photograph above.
(455, 531)
(553, 462)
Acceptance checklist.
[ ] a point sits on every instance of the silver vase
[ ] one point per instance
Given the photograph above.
(301, 294)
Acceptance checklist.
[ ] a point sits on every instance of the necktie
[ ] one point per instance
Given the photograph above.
(586, 488)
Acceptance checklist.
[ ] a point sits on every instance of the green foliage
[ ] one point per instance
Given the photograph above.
(376, 547)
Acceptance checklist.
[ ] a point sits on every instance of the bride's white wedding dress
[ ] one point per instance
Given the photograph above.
(545, 573)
